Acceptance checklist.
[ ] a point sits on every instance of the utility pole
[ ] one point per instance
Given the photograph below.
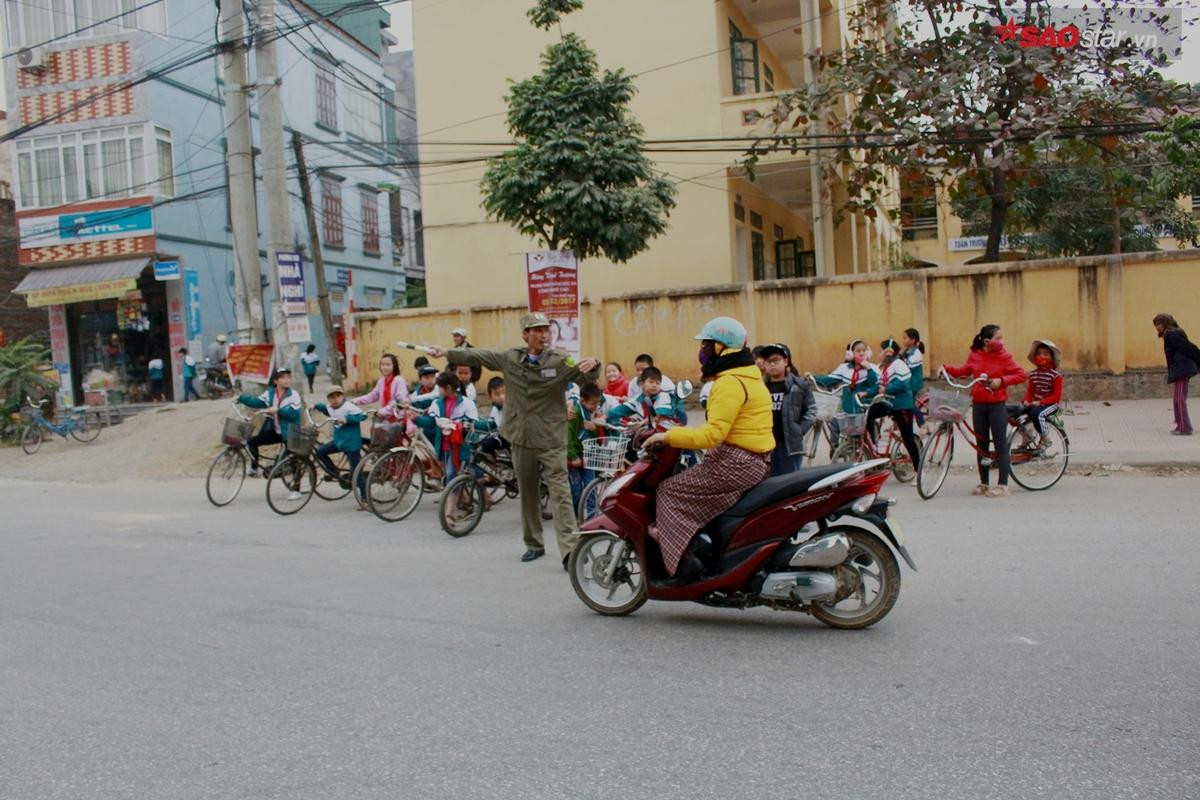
(270, 125)
(242, 209)
(314, 246)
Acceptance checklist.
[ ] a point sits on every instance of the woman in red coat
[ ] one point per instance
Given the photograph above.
(989, 412)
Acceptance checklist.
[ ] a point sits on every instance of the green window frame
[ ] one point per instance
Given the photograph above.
(758, 255)
(787, 260)
(743, 55)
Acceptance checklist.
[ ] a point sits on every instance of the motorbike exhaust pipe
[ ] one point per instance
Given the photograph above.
(828, 551)
(805, 587)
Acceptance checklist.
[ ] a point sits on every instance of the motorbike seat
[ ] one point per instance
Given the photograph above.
(770, 491)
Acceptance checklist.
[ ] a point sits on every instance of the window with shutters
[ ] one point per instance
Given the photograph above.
(327, 114)
(331, 211)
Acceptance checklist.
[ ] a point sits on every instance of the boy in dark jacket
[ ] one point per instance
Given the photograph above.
(792, 407)
(1183, 362)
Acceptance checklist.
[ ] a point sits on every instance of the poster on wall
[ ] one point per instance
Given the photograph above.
(60, 353)
(250, 361)
(553, 278)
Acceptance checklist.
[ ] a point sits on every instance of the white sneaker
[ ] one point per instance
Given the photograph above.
(294, 496)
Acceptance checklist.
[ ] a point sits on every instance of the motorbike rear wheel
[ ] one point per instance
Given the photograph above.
(589, 568)
(877, 573)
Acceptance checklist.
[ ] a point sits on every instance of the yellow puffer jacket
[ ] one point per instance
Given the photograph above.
(739, 413)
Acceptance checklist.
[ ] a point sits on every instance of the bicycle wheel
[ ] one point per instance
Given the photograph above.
(1037, 468)
(291, 485)
(935, 463)
(902, 467)
(589, 499)
(846, 452)
(358, 478)
(87, 428)
(330, 487)
(395, 485)
(31, 439)
(462, 506)
(225, 476)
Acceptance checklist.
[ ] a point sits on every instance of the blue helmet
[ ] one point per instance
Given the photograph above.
(726, 330)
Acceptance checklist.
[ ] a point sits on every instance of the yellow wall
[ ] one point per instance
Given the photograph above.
(773, 214)
(1097, 310)
(472, 261)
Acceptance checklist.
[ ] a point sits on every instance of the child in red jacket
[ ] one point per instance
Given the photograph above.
(989, 408)
(1045, 388)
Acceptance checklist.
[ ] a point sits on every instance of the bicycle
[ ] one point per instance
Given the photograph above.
(292, 482)
(1034, 465)
(229, 467)
(398, 478)
(77, 424)
(829, 405)
(483, 481)
(856, 446)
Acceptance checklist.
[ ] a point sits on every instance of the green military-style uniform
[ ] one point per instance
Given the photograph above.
(535, 423)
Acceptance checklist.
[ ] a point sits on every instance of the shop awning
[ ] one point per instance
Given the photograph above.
(51, 286)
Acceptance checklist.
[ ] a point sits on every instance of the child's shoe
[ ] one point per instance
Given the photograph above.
(980, 490)
(999, 491)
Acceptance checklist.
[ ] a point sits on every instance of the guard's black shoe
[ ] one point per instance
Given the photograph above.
(532, 555)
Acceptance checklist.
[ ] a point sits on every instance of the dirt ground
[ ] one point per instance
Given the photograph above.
(175, 441)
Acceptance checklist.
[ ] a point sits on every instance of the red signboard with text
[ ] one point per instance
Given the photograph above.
(250, 361)
(553, 277)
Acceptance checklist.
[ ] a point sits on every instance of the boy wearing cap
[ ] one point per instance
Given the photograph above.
(793, 409)
(426, 389)
(347, 432)
(535, 422)
(1044, 390)
(459, 335)
(281, 405)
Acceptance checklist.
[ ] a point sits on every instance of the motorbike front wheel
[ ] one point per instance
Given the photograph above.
(868, 581)
(607, 575)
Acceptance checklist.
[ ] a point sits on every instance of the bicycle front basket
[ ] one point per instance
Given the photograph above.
(828, 405)
(386, 435)
(605, 455)
(236, 432)
(301, 440)
(851, 424)
(948, 406)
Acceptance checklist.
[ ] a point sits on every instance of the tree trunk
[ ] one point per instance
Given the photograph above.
(999, 216)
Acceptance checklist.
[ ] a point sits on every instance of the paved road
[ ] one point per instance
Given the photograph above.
(154, 647)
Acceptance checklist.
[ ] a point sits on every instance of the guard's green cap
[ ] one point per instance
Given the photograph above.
(535, 319)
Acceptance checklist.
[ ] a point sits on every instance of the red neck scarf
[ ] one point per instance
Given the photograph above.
(387, 391)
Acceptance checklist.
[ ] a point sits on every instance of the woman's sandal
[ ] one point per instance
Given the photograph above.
(980, 490)
(999, 491)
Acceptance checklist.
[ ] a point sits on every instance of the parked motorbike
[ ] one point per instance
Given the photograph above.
(819, 541)
(214, 379)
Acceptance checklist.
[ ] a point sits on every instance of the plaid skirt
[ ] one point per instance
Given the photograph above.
(693, 498)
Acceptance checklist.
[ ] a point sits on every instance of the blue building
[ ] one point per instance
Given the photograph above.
(120, 175)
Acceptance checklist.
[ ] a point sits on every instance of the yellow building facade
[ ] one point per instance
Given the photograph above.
(704, 70)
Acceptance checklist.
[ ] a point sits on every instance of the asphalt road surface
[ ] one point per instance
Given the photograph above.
(152, 646)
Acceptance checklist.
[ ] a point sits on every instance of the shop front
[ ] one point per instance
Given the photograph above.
(110, 322)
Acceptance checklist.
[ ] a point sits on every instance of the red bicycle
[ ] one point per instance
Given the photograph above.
(1036, 462)
(855, 446)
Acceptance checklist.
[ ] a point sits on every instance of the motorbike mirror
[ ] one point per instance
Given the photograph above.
(684, 389)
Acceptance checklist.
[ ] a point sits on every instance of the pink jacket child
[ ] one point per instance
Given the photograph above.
(388, 392)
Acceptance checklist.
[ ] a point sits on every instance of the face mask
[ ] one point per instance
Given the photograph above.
(704, 356)
(1045, 362)
(860, 358)
(994, 345)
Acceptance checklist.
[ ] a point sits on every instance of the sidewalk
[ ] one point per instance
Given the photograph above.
(1128, 432)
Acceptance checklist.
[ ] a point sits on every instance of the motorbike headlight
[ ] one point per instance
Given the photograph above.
(617, 485)
(863, 504)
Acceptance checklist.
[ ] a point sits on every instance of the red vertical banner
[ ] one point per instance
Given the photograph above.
(60, 353)
(553, 278)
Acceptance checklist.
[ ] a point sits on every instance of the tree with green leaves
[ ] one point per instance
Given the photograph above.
(21, 366)
(942, 91)
(1098, 196)
(577, 178)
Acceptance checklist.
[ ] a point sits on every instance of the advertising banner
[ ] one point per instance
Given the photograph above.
(60, 352)
(166, 271)
(553, 278)
(291, 284)
(191, 303)
(298, 329)
(87, 226)
(61, 295)
(250, 361)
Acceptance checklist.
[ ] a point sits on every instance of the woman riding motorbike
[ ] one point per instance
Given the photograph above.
(738, 435)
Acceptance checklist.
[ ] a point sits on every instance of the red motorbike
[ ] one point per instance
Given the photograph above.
(820, 541)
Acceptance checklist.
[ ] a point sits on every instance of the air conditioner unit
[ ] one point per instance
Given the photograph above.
(33, 59)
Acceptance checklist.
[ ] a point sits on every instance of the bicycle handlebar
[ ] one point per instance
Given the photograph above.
(819, 388)
(946, 377)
